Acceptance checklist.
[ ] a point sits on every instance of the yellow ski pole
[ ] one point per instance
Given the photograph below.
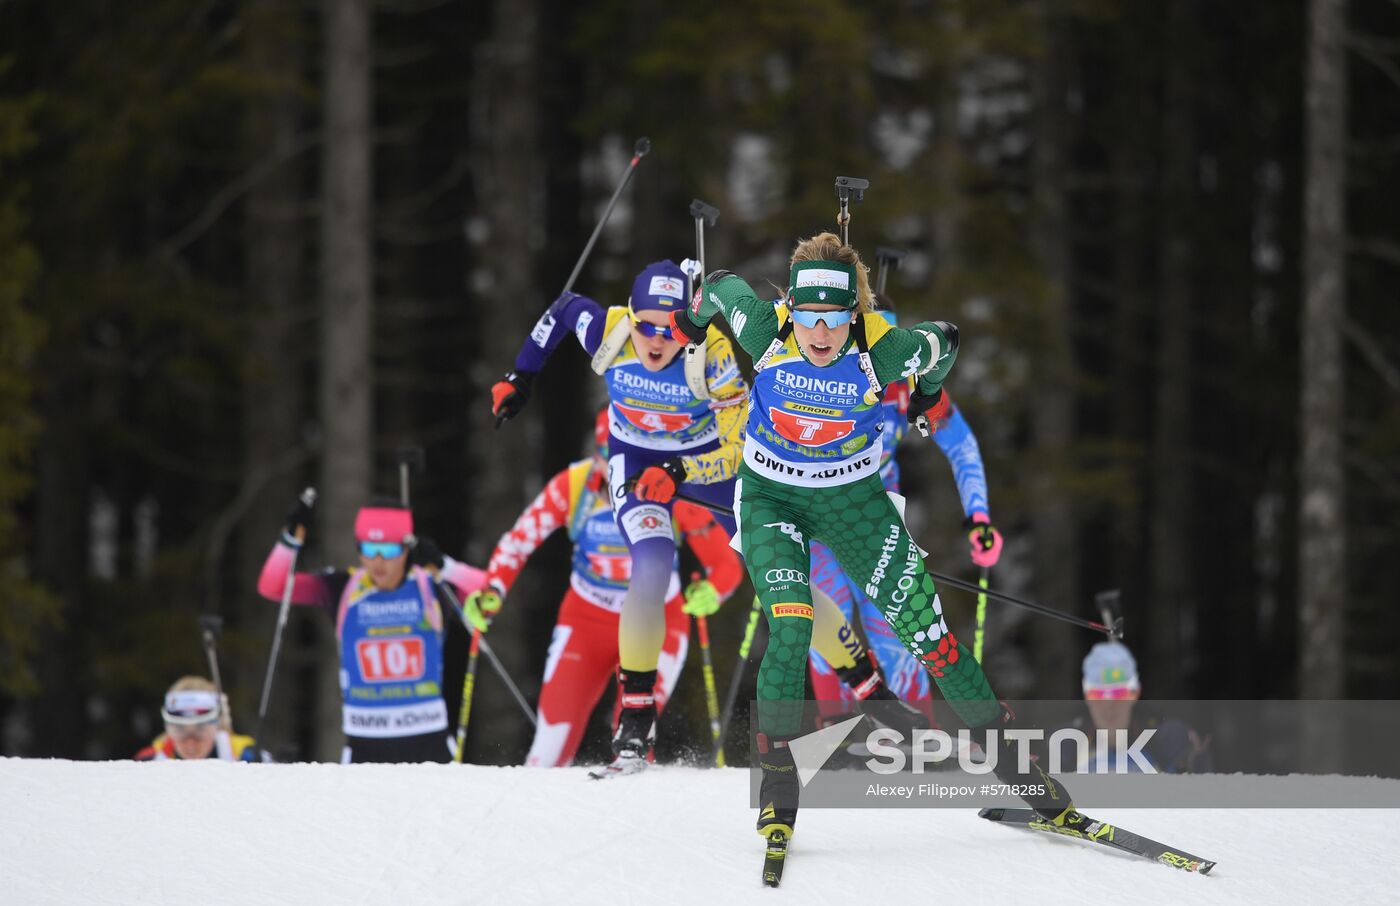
(468, 686)
(981, 617)
(711, 694)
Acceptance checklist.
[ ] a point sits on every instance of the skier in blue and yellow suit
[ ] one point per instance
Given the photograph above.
(675, 421)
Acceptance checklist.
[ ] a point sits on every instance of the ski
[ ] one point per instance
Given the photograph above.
(774, 857)
(620, 767)
(1103, 833)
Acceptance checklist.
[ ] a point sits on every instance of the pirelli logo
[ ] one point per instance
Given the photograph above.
(793, 610)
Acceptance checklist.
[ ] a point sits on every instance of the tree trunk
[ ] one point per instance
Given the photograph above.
(1171, 616)
(1322, 529)
(58, 720)
(1053, 522)
(507, 296)
(274, 398)
(347, 297)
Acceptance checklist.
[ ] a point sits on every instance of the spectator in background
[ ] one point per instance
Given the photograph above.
(197, 726)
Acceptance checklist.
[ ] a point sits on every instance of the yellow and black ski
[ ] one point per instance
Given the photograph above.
(1083, 827)
(774, 857)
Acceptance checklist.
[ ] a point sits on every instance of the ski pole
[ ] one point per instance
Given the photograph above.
(468, 686)
(1113, 630)
(981, 617)
(887, 260)
(500, 668)
(510, 684)
(638, 152)
(1110, 604)
(711, 697)
(848, 187)
(210, 625)
(702, 214)
(409, 458)
(308, 497)
(737, 676)
(988, 540)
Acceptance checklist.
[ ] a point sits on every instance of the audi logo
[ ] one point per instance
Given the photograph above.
(786, 575)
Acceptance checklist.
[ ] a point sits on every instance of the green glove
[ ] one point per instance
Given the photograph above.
(701, 598)
(480, 607)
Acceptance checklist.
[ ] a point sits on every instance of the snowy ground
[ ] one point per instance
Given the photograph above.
(214, 833)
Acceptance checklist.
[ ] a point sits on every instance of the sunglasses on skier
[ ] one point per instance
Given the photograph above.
(385, 549)
(1110, 693)
(648, 329)
(832, 319)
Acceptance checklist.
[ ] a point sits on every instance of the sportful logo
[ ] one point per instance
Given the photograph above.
(786, 575)
(818, 276)
(738, 321)
(787, 528)
(913, 363)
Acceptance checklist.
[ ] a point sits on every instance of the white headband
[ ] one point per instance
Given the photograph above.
(190, 706)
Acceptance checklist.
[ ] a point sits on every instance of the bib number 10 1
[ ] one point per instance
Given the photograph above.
(386, 660)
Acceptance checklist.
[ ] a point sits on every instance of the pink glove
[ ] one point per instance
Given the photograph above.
(985, 540)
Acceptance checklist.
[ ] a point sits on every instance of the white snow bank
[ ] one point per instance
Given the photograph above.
(216, 833)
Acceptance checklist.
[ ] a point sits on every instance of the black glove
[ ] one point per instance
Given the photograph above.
(426, 554)
(684, 330)
(510, 394)
(299, 517)
(928, 411)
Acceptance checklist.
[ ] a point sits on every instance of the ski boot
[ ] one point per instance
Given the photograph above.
(1053, 804)
(636, 725)
(777, 799)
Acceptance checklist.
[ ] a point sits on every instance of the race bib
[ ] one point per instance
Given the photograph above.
(391, 660)
(808, 429)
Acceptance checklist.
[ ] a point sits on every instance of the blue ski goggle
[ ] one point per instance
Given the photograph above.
(832, 319)
(385, 549)
(648, 329)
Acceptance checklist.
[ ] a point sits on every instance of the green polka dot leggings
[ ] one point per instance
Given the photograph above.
(860, 524)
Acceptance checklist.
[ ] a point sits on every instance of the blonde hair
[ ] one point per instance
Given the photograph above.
(192, 684)
(828, 247)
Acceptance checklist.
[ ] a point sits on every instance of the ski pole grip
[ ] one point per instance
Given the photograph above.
(211, 624)
(699, 210)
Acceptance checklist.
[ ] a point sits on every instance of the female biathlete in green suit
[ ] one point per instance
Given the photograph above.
(811, 471)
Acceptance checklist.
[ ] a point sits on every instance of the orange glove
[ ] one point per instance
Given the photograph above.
(510, 394)
(658, 483)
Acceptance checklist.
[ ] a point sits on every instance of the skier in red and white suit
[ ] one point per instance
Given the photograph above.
(583, 652)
